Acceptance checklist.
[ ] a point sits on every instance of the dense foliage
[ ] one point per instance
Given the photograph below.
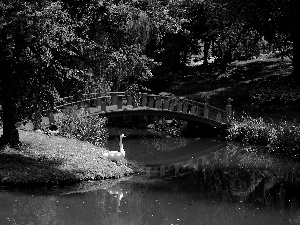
(38, 46)
(282, 138)
(51, 49)
(82, 127)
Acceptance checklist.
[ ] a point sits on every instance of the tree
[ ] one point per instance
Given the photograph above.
(278, 20)
(196, 22)
(228, 28)
(120, 32)
(296, 40)
(233, 21)
(38, 49)
(222, 23)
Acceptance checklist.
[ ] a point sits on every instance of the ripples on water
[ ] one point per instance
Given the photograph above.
(213, 183)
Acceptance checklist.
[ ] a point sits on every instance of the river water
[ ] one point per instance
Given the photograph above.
(176, 181)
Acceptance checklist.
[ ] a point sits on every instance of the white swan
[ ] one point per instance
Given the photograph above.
(116, 156)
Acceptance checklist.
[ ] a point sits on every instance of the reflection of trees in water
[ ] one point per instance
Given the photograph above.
(222, 190)
(251, 181)
(255, 186)
(212, 193)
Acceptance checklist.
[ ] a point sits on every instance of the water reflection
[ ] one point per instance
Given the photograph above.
(118, 192)
(227, 185)
(213, 159)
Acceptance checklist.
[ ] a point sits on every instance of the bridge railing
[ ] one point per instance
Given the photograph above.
(163, 101)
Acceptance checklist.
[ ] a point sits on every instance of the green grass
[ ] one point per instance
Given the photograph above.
(42, 160)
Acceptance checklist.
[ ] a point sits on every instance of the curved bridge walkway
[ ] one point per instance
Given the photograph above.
(112, 104)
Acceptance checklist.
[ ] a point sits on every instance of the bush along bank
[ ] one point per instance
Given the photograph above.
(79, 125)
(280, 138)
(75, 155)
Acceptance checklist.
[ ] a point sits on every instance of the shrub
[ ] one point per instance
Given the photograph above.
(286, 139)
(78, 124)
(282, 138)
(249, 130)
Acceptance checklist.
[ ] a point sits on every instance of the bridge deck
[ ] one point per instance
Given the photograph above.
(112, 108)
(111, 104)
(112, 111)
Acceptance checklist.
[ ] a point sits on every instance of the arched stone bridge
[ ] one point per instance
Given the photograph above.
(111, 104)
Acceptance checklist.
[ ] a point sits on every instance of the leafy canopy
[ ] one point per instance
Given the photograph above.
(38, 43)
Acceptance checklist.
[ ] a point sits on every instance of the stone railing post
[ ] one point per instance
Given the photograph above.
(229, 110)
(185, 107)
(158, 102)
(103, 103)
(166, 103)
(180, 104)
(129, 100)
(219, 117)
(151, 101)
(114, 98)
(193, 109)
(98, 100)
(172, 104)
(144, 99)
(120, 101)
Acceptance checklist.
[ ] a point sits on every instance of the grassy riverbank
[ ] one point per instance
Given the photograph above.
(44, 161)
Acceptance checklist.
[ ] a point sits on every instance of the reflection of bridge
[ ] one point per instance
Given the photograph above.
(209, 160)
(112, 104)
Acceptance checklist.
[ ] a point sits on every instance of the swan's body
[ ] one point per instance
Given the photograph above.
(116, 155)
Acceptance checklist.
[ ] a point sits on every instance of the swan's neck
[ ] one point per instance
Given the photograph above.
(121, 146)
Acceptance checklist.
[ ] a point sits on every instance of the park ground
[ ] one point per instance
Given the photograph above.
(43, 160)
(260, 88)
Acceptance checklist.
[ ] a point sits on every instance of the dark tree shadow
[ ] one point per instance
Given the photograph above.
(20, 170)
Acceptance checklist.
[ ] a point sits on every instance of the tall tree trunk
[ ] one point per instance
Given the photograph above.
(205, 51)
(10, 133)
(227, 58)
(296, 40)
(296, 56)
